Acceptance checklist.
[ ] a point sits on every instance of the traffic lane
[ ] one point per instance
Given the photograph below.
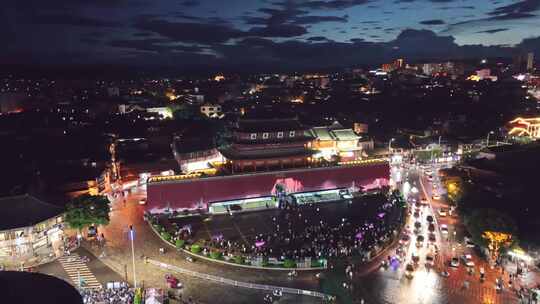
(457, 249)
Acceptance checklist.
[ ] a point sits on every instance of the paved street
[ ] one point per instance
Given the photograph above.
(118, 257)
(375, 284)
(82, 262)
(427, 284)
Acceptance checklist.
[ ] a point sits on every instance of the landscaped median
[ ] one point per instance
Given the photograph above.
(213, 255)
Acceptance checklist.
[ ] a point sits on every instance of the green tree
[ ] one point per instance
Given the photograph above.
(483, 222)
(86, 210)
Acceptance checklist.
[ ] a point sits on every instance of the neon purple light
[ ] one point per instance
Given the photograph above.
(381, 215)
(259, 244)
(359, 235)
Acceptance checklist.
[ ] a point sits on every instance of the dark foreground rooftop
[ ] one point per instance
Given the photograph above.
(30, 288)
(25, 210)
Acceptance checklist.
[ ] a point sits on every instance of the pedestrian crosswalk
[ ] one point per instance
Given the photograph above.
(78, 272)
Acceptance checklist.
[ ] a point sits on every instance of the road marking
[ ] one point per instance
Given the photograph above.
(76, 270)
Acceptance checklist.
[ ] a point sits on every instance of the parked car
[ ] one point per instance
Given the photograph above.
(429, 219)
(431, 227)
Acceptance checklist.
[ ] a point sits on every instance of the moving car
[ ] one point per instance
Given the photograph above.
(436, 197)
(417, 227)
(416, 214)
(467, 260)
(454, 262)
(404, 239)
(432, 238)
(444, 229)
(442, 212)
(415, 258)
(431, 227)
(429, 219)
(409, 271)
(142, 201)
(420, 241)
(430, 260)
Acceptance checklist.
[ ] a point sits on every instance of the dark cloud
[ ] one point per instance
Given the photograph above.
(158, 45)
(530, 44)
(524, 6)
(285, 30)
(190, 32)
(432, 22)
(324, 4)
(143, 34)
(317, 38)
(190, 3)
(493, 31)
(72, 20)
(318, 19)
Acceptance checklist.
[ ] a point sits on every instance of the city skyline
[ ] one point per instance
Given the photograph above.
(296, 34)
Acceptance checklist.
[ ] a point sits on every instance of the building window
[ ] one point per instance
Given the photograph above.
(280, 134)
(265, 135)
(253, 136)
(291, 134)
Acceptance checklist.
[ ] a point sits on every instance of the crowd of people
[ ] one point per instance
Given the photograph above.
(122, 295)
(301, 231)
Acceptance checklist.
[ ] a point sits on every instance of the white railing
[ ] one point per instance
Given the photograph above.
(225, 281)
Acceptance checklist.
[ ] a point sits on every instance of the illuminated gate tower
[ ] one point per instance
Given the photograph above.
(525, 127)
(266, 144)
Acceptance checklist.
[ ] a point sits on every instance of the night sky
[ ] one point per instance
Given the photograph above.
(267, 33)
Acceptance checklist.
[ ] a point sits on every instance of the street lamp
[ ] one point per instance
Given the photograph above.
(487, 139)
(132, 237)
(389, 145)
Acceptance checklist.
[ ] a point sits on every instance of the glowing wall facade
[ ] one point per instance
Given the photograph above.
(200, 192)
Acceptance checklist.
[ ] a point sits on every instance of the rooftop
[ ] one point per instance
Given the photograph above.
(268, 125)
(262, 154)
(45, 289)
(25, 210)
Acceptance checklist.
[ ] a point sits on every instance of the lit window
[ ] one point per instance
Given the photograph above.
(253, 136)
(291, 134)
(265, 135)
(280, 134)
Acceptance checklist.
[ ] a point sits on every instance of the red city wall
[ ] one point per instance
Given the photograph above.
(195, 193)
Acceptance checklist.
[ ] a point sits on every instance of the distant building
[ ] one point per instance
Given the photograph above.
(360, 128)
(212, 111)
(530, 61)
(336, 141)
(399, 63)
(387, 67)
(523, 62)
(113, 92)
(263, 143)
(29, 227)
(524, 127)
(11, 102)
